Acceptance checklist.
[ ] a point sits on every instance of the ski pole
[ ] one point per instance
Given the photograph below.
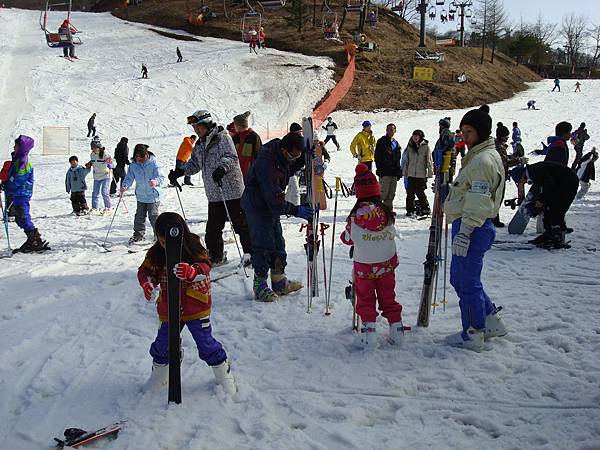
(444, 300)
(5, 219)
(338, 182)
(324, 226)
(124, 205)
(232, 229)
(111, 223)
(181, 204)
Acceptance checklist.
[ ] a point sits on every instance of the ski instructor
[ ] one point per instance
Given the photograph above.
(263, 202)
(474, 200)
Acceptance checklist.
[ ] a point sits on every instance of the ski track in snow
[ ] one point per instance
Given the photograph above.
(77, 331)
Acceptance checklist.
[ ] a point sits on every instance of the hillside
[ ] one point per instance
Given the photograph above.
(383, 78)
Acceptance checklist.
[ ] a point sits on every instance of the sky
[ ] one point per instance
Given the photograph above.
(551, 10)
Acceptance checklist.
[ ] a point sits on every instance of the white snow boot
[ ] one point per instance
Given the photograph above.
(473, 342)
(159, 377)
(396, 336)
(366, 339)
(494, 326)
(224, 377)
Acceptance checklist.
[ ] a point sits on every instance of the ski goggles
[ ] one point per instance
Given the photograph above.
(195, 120)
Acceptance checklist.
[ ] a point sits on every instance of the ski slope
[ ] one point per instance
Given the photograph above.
(76, 330)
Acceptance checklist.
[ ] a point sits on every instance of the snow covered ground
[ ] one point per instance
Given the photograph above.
(76, 330)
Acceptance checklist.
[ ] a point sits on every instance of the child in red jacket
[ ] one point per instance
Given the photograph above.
(370, 229)
(196, 303)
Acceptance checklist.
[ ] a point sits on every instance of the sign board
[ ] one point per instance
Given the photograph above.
(423, 73)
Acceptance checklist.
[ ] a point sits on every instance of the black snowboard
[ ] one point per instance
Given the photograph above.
(173, 245)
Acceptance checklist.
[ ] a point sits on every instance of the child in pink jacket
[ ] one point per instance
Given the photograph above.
(370, 229)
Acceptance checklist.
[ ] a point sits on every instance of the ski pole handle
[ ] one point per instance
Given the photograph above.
(338, 185)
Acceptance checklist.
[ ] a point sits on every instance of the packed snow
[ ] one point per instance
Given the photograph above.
(76, 329)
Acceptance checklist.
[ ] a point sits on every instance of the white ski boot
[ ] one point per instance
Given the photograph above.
(474, 341)
(159, 377)
(494, 326)
(224, 377)
(367, 338)
(396, 336)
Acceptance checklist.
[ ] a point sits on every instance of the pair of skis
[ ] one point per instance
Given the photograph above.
(437, 233)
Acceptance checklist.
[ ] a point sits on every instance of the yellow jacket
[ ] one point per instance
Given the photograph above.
(476, 193)
(365, 141)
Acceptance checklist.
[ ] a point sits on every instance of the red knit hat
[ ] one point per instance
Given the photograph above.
(365, 182)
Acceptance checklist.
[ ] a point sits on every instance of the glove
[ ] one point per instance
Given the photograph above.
(123, 189)
(523, 160)
(218, 175)
(148, 289)
(88, 165)
(153, 183)
(187, 272)
(173, 175)
(304, 212)
(460, 243)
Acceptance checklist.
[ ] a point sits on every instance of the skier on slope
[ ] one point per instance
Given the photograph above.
(144, 71)
(196, 303)
(578, 87)
(558, 185)
(556, 85)
(122, 160)
(91, 125)
(586, 172)
(331, 128)
(147, 175)
(557, 149)
(214, 155)
(418, 168)
(473, 201)
(102, 165)
(247, 142)
(578, 138)
(388, 154)
(370, 229)
(531, 104)
(264, 203)
(19, 188)
(516, 136)
(179, 55)
(363, 145)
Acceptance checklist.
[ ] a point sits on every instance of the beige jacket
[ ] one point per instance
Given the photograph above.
(476, 193)
(418, 162)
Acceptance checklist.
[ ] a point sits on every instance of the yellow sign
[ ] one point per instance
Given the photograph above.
(423, 73)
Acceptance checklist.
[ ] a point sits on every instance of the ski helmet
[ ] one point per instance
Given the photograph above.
(200, 117)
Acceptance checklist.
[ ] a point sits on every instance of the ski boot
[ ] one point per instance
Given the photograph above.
(366, 339)
(556, 239)
(262, 291)
(224, 377)
(159, 377)
(396, 333)
(219, 262)
(494, 326)
(136, 239)
(33, 243)
(541, 239)
(247, 260)
(282, 286)
(472, 341)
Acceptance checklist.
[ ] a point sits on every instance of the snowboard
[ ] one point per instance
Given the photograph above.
(75, 437)
(526, 211)
(173, 248)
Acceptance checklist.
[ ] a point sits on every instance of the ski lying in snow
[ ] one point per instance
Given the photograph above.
(173, 249)
(75, 437)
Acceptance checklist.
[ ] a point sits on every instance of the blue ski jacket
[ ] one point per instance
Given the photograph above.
(142, 174)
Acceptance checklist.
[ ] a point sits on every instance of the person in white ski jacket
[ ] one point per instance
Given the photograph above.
(331, 128)
(215, 156)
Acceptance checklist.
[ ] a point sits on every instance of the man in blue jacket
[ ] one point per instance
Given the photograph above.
(148, 178)
(264, 202)
(557, 150)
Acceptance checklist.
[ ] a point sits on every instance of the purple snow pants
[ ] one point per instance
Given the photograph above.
(209, 349)
(21, 208)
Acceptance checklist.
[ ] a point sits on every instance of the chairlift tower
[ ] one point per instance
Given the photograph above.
(463, 5)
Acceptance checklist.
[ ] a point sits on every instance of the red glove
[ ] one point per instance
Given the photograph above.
(88, 165)
(185, 272)
(148, 289)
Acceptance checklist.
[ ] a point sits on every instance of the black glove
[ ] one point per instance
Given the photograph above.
(218, 175)
(173, 175)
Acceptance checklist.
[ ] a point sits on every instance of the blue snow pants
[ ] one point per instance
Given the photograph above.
(268, 244)
(21, 208)
(465, 277)
(209, 349)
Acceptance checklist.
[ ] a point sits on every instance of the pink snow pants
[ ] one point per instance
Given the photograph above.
(382, 290)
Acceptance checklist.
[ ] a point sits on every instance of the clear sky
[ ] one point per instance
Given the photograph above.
(528, 10)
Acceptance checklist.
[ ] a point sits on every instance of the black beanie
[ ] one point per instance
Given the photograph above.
(480, 120)
(295, 127)
(563, 128)
(485, 108)
(292, 142)
(501, 131)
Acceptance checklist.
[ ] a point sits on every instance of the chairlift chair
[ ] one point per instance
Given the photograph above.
(469, 13)
(57, 40)
(432, 12)
(250, 24)
(473, 21)
(399, 7)
(439, 2)
(452, 8)
(354, 6)
(272, 4)
(329, 25)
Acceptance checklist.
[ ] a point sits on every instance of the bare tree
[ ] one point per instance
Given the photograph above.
(594, 32)
(493, 20)
(407, 9)
(574, 34)
(545, 32)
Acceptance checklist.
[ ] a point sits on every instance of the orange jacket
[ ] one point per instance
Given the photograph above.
(185, 150)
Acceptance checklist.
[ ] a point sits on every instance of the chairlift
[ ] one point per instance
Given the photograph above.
(452, 8)
(473, 21)
(250, 25)
(354, 6)
(469, 13)
(372, 15)
(58, 40)
(439, 2)
(399, 7)
(271, 4)
(451, 17)
(329, 25)
(432, 12)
